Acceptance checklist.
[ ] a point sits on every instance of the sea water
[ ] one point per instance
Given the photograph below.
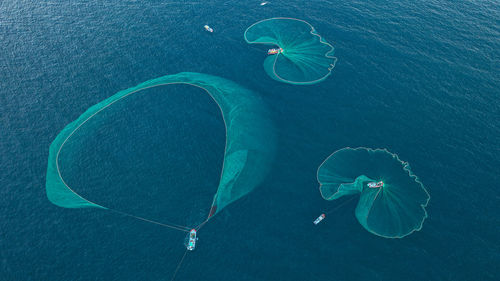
(419, 78)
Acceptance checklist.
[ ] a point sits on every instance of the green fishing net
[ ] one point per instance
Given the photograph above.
(393, 210)
(249, 139)
(306, 58)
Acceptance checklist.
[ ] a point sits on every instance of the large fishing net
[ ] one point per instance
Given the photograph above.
(305, 57)
(248, 151)
(392, 199)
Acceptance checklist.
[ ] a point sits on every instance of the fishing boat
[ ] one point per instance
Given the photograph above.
(208, 28)
(274, 51)
(375, 184)
(192, 240)
(319, 219)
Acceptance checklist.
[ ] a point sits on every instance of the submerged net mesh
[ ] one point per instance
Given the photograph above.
(306, 58)
(393, 210)
(249, 140)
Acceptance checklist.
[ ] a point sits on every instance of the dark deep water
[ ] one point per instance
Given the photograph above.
(420, 78)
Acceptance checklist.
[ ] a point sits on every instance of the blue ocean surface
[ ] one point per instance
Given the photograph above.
(420, 78)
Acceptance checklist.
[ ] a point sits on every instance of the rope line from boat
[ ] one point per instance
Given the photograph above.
(200, 225)
(341, 205)
(171, 225)
(178, 266)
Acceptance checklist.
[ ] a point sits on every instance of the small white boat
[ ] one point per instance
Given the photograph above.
(264, 3)
(375, 184)
(319, 219)
(208, 28)
(192, 240)
(274, 51)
